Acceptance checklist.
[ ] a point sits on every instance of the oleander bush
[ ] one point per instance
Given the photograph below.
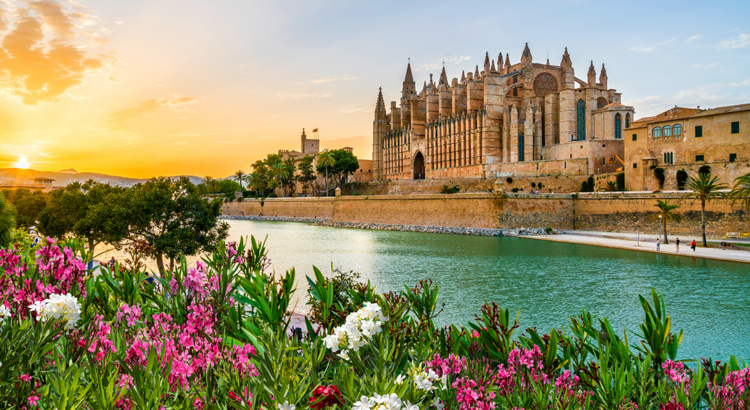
(218, 335)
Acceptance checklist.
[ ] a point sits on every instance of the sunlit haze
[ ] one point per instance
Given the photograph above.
(164, 87)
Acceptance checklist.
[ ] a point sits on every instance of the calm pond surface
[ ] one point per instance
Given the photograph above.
(548, 281)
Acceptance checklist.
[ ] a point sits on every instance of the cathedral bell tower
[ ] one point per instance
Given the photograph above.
(379, 129)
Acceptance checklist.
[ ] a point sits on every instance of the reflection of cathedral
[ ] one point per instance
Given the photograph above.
(520, 119)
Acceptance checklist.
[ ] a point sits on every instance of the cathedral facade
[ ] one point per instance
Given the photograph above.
(521, 119)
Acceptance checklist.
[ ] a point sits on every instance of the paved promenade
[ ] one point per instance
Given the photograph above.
(647, 244)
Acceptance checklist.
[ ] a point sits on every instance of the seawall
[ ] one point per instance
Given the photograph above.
(601, 211)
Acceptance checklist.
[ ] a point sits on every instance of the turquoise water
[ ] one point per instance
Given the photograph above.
(548, 281)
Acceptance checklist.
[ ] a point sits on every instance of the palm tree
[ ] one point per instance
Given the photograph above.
(256, 181)
(741, 191)
(7, 221)
(240, 177)
(610, 187)
(664, 215)
(326, 159)
(210, 183)
(281, 173)
(705, 189)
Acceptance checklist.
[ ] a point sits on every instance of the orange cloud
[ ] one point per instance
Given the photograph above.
(37, 67)
(118, 119)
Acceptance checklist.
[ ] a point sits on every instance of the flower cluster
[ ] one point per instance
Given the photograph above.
(360, 325)
(735, 392)
(325, 396)
(58, 307)
(4, 312)
(471, 396)
(451, 365)
(676, 371)
(524, 367)
(384, 402)
(424, 379)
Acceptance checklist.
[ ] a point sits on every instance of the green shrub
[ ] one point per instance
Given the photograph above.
(509, 180)
(659, 174)
(588, 185)
(682, 176)
(704, 169)
(533, 184)
(446, 189)
(515, 189)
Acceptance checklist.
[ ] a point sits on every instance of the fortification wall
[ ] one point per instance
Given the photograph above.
(620, 212)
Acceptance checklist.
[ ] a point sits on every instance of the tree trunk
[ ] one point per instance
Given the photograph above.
(326, 181)
(160, 264)
(92, 245)
(703, 223)
(665, 231)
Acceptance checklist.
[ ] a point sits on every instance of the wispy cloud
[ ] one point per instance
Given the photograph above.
(118, 120)
(328, 80)
(693, 38)
(742, 40)
(354, 110)
(740, 84)
(303, 95)
(710, 65)
(436, 65)
(647, 48)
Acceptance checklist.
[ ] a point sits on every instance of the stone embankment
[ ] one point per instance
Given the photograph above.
(436, 229)
(272, 218)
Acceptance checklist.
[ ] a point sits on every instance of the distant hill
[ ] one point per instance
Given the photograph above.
(16, 176)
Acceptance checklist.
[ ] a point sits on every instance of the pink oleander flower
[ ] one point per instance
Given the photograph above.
(453, 365)
(676, 371)
(470, 396)
(131, 314)
(241, 360)
(33, 400)
(24, 378)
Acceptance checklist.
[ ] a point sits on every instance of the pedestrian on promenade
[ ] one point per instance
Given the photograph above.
(677, 242)
(657, 244)
(692, 245)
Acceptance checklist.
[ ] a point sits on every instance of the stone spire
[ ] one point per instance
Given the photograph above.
(603, 77)
(432, 83)
(379, 106)
(500, 63)
(592, 75)
(409, 85)
(443, 78)
(526, 57)
(507, 63)
(476, 73)
(566, 63)
(463, 76)
(486, 62)
(492, 67)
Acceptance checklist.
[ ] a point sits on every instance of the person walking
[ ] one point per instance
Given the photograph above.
(677, 242)
(692, 245)
(657, 244)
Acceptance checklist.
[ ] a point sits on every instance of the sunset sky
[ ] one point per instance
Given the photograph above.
(158, 87)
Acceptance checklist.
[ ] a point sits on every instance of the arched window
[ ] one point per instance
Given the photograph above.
(677, 129)
(667, 131)
(627, 120)
(656, 132)
(618, 126)
(581, 120)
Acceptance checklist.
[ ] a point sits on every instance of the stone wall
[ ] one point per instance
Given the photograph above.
(621, 212)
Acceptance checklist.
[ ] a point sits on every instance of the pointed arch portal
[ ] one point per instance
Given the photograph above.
(418, 166)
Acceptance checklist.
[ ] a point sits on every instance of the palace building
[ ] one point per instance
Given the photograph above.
(521, 119)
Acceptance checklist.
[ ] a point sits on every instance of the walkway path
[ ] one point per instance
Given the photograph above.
(629, 241)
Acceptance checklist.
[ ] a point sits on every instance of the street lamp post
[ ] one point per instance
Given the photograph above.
(657, 229)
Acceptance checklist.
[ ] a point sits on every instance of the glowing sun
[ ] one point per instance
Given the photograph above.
(22, 163)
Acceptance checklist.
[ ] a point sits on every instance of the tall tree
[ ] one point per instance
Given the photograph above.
(257, 181)
(239, 176)
(86, 210)
(326, 160)
(281, 174)
(7, 221)
(306, 171)
(705, 189)
(665, 215)
(29, 204)
(346, 164)
(173, 218)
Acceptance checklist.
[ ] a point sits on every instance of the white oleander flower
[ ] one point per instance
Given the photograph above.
(423, 382)
(400, 379)
(409, 406)
(58, 307)
(4, 312)
(438, 404)
(364, 403)
(286, 406)
(344, 354)
(358, 328)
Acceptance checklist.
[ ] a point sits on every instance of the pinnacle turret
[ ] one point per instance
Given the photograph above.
(492, 67)
(603, 77)
(507, 62)
(476, 73)
(443, 78)
(526, 56)
(409, 85)
(487, 62)
(566, 62)
(592, 74)
(463, 76)
(500, 62)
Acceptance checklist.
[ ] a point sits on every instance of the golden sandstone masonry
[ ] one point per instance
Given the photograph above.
(518, 119)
